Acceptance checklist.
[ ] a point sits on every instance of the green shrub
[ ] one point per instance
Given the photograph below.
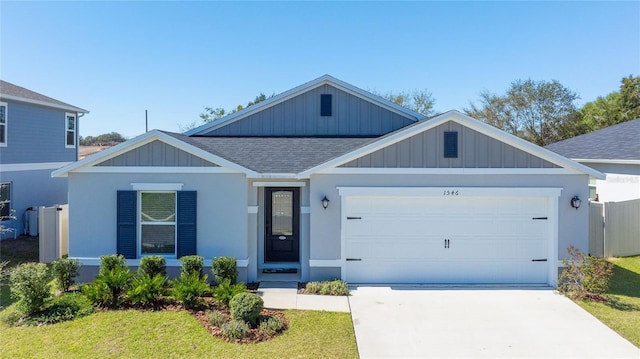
(224, 292)
(332, 287)
(110, 286)
(152, 266)
(192, 264)
(224, 268)
(146, 290)
(235, 329)
(584, 275)
(272, 325)
(246, 307)
(189, 288)
(313, 287)
(111, 262)
(69, 306)
(216, 318)
(64, 270)
(30, 287)
(335, 287)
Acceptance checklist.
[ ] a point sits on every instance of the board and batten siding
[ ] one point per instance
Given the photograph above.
(300, 116)
(36, 134)
(157, 153)
(426, 150)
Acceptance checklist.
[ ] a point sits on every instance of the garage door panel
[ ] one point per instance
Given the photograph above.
(446, 240)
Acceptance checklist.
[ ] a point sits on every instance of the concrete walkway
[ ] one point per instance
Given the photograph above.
(284, 295)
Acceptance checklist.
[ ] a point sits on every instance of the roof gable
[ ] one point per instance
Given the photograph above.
(426, 150)
(10, 91)
(136, 152)
(616, 143)
(464, 120)
(156, 153)
(326, 80)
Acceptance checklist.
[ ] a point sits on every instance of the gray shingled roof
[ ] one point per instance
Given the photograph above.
(275, 154)
(617, 142)
(10, 89)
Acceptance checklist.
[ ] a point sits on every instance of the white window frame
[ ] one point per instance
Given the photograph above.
(3, 141)
(141, 223)
(7, 202)
(67, 130)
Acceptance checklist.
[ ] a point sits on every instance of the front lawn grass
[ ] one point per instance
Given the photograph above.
(170, 334)
(622, 312)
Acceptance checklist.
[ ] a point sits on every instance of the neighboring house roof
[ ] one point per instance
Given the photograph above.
(614, 144)
(276, 154)
(10, 91)
(85, 151)
(320, 81)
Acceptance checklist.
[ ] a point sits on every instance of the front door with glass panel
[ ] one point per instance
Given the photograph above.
(282, 213)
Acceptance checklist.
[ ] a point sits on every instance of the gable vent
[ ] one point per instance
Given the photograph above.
(325, 105)
(451, 145)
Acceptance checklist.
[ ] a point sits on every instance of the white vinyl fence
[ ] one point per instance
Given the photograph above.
(54, 232)
(614, 228)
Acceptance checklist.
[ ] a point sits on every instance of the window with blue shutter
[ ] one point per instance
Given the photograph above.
(451, 145)
(187, 225)
(325, 105)
(127, 225)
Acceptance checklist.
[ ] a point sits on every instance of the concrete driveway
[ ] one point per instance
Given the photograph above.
(478, 322)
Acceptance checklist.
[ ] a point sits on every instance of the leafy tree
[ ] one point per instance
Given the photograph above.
(538, 111)
(420, 101)
(616, 107)
(630, 97)
(103, 139)
(211, 114)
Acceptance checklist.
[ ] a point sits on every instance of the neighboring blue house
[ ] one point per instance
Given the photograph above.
(38, 134)
(329, 181)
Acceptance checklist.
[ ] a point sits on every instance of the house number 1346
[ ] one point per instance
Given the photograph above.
(450, 192)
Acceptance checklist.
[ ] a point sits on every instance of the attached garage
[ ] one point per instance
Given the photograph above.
(449, 235)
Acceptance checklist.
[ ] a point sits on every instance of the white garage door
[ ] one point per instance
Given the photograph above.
(401, 239)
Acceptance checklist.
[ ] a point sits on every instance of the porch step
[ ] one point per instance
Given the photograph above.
(280, 270)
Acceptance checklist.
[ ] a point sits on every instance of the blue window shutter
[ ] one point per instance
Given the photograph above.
(451, 145)
(325, 105)
(187, 229)
(127, 227)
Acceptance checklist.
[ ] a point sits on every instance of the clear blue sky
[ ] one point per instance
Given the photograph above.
(117, 59)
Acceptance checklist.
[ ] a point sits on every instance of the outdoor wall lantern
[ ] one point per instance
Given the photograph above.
(325, 202)
(576, 202)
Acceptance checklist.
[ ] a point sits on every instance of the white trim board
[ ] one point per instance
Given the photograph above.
(461, 191)
(448, 171)
(280, 184)
(171, 262)
(154, 169)
(157, 186)
(15, 167)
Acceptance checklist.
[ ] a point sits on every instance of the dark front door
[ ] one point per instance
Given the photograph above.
(282, 224)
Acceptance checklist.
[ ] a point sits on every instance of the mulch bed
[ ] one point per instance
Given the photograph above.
(210, 304)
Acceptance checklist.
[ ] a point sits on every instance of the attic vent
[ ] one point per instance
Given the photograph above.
(325, 105)
(451, 145)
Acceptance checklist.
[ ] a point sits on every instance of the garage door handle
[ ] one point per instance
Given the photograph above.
(353, 259)
(354, 217)
(534, 218)
(539, 260)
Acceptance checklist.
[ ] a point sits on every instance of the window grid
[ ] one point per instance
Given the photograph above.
(70, 130)
(157, 216)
